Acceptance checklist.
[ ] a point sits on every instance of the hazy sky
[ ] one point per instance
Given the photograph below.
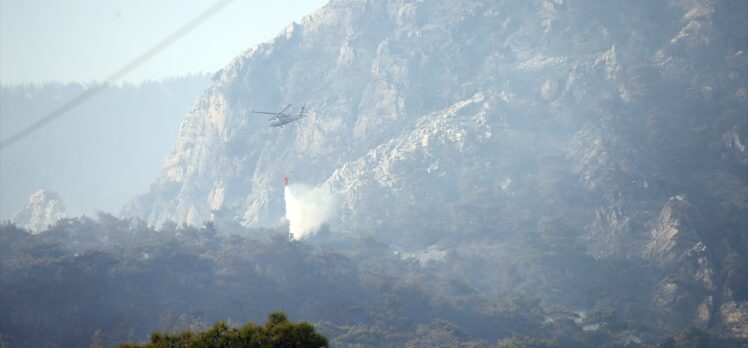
(86, 40)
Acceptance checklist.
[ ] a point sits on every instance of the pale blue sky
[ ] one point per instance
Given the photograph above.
(87, 40)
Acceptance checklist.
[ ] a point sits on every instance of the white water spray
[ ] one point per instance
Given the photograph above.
(307, 209)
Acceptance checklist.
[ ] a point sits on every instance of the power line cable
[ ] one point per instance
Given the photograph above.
(135, 63)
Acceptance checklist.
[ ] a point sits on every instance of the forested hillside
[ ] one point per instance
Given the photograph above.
(114, 281)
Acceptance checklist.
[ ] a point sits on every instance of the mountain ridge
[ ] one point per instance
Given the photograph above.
(618, 126)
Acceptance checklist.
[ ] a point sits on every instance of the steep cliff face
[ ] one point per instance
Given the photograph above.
(467, 120)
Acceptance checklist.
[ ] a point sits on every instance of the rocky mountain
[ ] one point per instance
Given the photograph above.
(43, 209)
(454, 128)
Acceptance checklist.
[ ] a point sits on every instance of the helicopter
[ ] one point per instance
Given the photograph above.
(281, 118)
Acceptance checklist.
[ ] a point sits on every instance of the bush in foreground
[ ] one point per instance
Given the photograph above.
(278, 331)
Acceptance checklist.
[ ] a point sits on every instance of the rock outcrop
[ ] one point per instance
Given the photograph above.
(43, 209)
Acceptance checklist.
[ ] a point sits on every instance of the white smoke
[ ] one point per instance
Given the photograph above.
(307, 209)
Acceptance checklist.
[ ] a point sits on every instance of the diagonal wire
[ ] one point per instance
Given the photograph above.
(95, 89)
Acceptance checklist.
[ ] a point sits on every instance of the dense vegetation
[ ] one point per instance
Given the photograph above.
(107, 281)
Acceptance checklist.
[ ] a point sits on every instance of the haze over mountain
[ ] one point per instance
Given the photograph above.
(471, 173)
(442, 125)
(100, 154)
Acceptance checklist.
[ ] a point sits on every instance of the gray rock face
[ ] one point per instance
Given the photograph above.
(43, 209)
(674, 235)
(455, 119)
(735, 317)
(371, 71)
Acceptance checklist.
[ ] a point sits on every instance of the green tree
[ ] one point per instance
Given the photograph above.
(278, 331)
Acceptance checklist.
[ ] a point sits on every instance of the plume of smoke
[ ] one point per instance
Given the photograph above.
(307, 209)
